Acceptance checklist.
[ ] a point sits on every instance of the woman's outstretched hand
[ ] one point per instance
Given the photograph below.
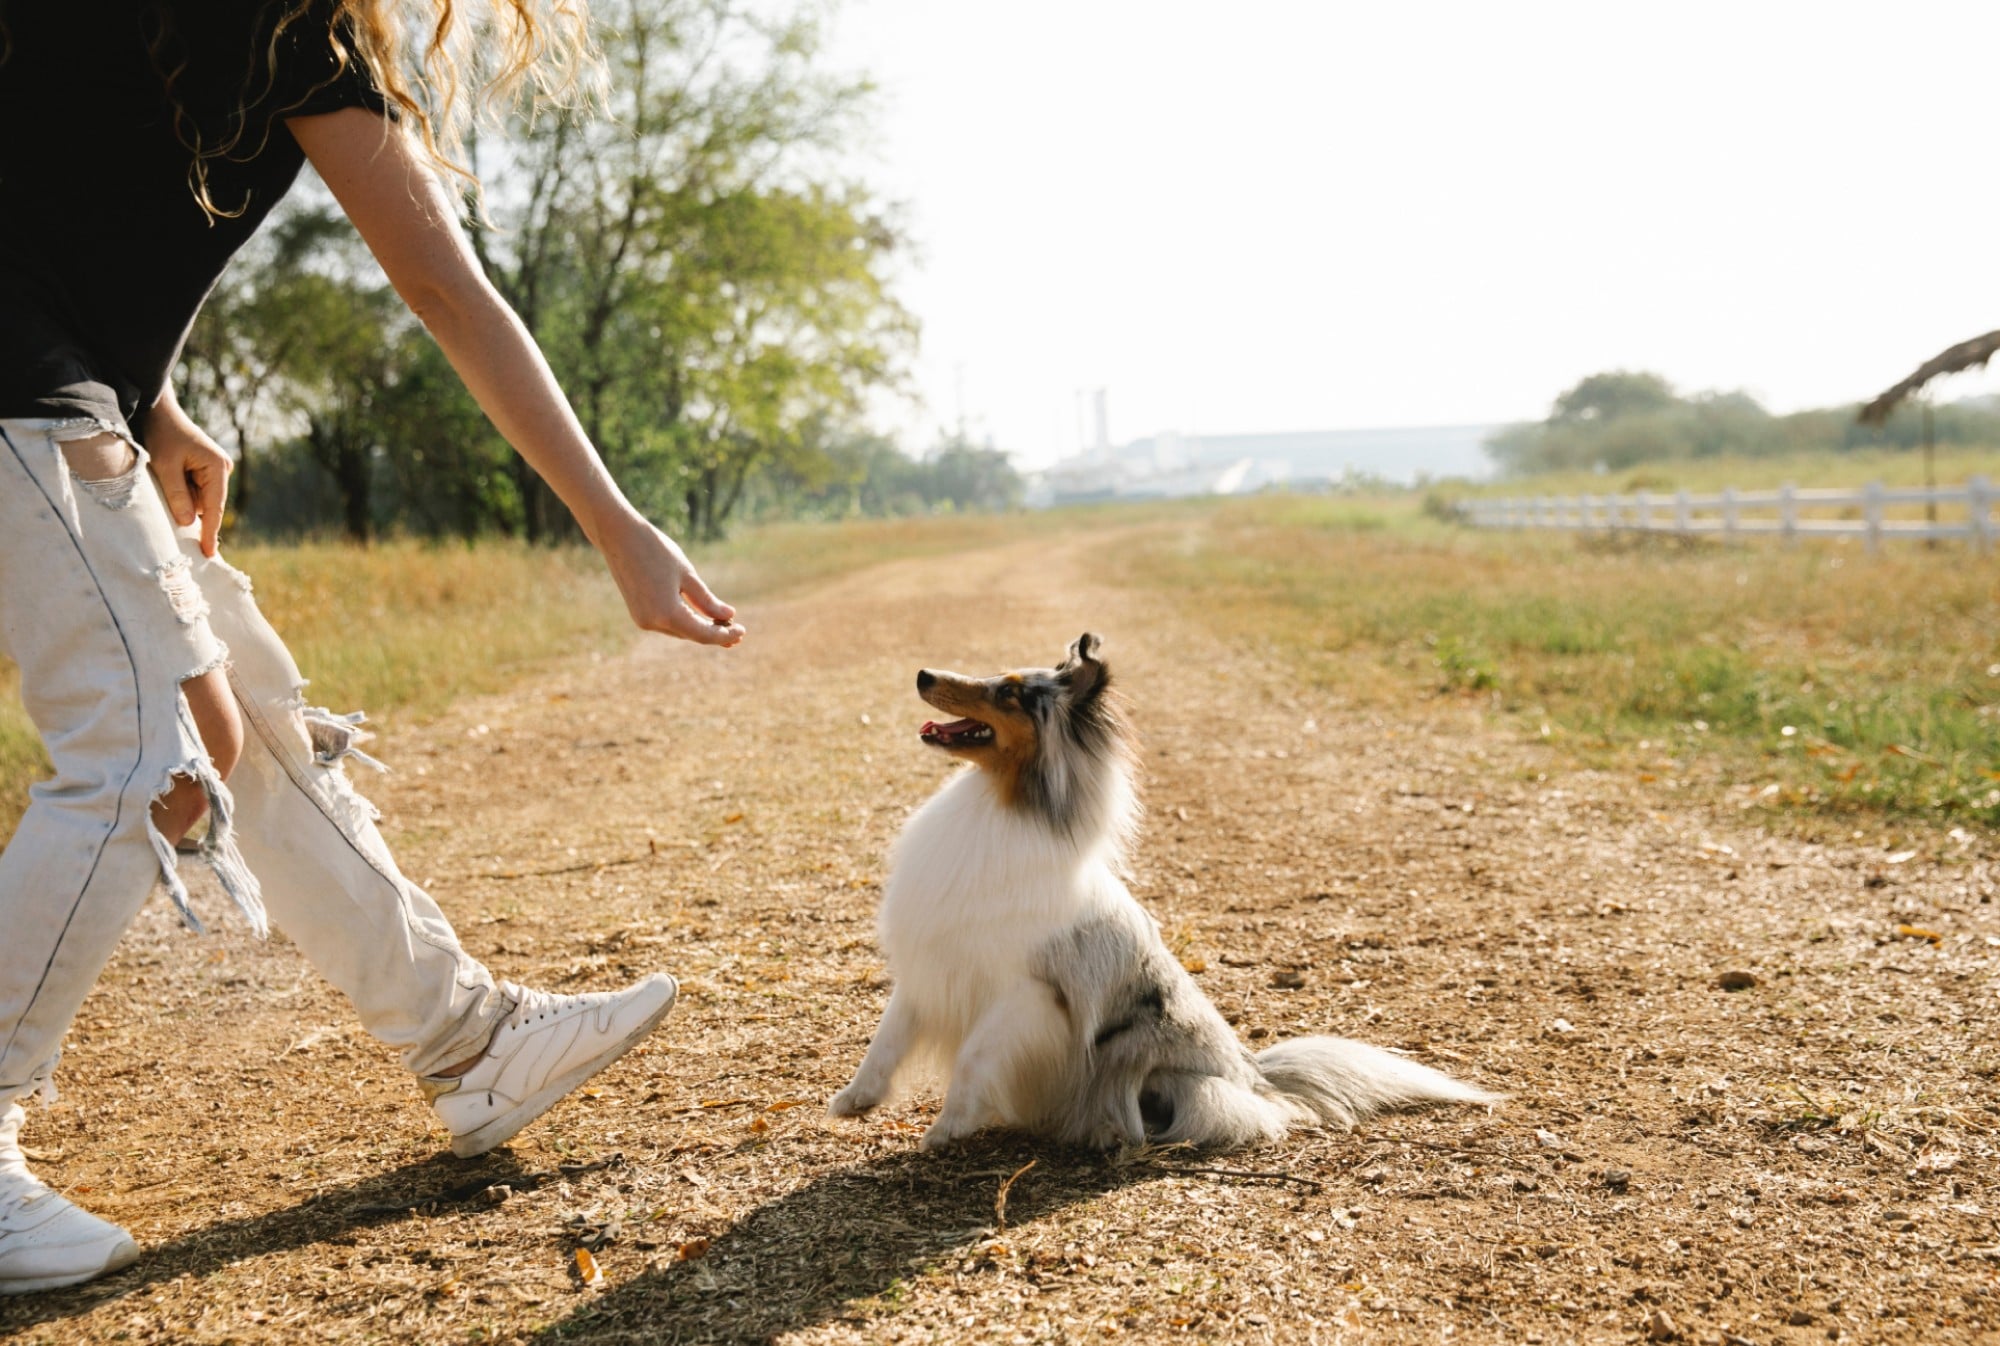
(662, 591)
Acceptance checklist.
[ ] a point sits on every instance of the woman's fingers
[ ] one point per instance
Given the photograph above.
(212, 486)
(703, 599)
(690, 625)
(173, 481)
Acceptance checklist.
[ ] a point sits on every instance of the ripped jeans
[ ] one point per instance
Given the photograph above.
(107, 609)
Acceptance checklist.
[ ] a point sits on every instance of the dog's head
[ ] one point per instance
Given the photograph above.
(1011, 723)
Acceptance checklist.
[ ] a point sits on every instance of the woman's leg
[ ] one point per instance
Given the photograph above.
(326, 875)
(490, 1058)
(99, 611)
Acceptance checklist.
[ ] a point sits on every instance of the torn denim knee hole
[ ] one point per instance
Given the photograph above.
(111, 484)
(176, 580)
(218, 847)
(215, 665)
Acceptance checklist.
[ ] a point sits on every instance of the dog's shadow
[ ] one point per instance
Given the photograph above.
(825, 1251)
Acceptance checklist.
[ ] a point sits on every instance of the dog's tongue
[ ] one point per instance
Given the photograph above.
(932, 729)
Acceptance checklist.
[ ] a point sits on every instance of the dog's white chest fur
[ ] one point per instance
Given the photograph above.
(975, 889)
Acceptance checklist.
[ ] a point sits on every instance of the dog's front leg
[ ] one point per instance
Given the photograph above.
(891, 1043)
(1016, 1046)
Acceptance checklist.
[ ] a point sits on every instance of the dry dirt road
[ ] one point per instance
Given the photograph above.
(1807, 1159)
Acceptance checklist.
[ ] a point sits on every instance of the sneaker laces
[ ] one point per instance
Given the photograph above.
(531, 1006)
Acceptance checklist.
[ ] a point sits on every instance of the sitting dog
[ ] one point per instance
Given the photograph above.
(1023, 965)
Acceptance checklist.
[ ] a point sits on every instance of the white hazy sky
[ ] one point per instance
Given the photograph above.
(1288, 215)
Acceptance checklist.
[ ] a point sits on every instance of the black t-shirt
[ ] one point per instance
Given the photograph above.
(105, 253)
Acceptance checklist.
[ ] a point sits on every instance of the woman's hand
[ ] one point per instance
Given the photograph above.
(191, 468)
(661, 589)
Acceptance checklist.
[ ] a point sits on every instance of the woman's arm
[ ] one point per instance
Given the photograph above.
(408, 222)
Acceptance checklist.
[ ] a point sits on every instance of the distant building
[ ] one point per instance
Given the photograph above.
(1171, 464)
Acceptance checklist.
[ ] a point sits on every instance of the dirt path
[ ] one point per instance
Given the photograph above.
(1808, 1159)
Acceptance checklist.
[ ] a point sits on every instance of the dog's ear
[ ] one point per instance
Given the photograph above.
(1085, 670)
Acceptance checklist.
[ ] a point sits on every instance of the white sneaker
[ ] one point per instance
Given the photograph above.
(548, 1046)
(45, 1242)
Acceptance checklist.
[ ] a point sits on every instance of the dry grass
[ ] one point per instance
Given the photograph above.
(402, 629)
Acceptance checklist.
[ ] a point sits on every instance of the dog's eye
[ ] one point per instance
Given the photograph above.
(1008, 695)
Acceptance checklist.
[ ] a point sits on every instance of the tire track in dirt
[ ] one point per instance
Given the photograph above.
(1813, 1154)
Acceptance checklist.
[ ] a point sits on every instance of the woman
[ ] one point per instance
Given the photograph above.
(141, 143)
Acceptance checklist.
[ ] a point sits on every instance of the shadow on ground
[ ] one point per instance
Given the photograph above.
(841, 1247)
(404, 1193)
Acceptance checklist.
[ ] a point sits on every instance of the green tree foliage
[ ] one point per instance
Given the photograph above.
(706, 284)
(1613, 421)
(1610, 396)
(848, 475)
(710, 287)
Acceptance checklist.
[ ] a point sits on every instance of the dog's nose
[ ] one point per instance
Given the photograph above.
(925, 679)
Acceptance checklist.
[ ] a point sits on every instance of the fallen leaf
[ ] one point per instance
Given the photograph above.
(587, 1269)
(1918, 932)
(1900, 857)
(1736, 980)
(692, 1249)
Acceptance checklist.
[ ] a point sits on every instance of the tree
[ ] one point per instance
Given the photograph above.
(704, 283)
(1610, 395)
(710, 291)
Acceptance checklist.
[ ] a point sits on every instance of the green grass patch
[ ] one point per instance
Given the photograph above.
(1891, 467)
(1843, 681)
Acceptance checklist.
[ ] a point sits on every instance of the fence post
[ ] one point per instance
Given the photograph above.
(1729, 511)
(1871, 511)
(1978, 499)
(1788, 513)
(1683, 511)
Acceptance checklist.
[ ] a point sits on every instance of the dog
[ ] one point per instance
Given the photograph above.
(1024, 967)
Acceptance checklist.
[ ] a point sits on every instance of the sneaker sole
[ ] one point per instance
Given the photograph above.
(506, 1126)
(126, 1254)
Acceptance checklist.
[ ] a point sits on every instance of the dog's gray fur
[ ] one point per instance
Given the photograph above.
(1154, 1062)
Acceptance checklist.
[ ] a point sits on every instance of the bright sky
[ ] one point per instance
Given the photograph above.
(1319, 214)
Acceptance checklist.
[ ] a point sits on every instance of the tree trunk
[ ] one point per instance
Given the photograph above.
(354, 490)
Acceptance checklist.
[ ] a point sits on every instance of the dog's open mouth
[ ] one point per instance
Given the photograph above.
(957, 734)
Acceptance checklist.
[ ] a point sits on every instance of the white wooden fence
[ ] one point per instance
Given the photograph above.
(1788, 512)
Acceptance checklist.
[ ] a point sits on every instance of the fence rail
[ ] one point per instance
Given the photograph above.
(1788, 512)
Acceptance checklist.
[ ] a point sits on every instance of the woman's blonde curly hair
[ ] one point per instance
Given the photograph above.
(443, 66)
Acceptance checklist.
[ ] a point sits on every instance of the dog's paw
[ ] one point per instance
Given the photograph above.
(948, 1130)
(852, 1101)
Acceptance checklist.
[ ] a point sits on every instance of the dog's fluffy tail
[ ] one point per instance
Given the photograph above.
(1316, 1080)
(1342, 1081)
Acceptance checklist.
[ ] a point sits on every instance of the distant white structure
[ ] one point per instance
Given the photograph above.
(1171, 464)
